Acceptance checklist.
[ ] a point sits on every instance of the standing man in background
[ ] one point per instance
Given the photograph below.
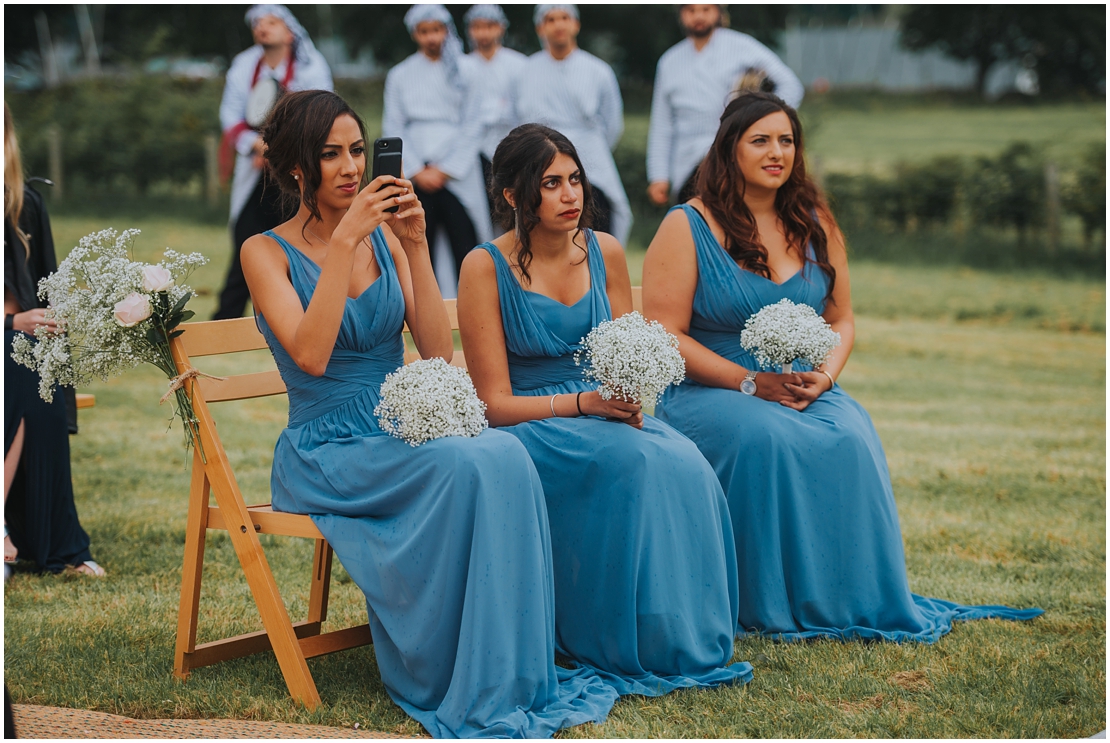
(694, 81)
(575, 93)
(497, 69)
(432, 103)
(283, 58)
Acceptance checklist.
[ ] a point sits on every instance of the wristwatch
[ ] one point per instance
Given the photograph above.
(748, 385)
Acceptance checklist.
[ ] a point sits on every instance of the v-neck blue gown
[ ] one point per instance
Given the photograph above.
(448, 540)
(645, 568)
(818, 544)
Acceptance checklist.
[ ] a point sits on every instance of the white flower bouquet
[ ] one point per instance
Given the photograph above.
(785, 332)
(113, 314)
(430, 399)
(632, 359)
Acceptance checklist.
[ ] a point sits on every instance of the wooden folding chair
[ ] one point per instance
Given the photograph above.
(292, 642)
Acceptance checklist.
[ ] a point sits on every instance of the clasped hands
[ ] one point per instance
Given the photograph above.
(31, 319)
(613, 409)
(796, 390)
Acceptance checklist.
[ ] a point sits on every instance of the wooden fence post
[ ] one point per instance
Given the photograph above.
(211, 169)
(54, 159)
(1052, 205)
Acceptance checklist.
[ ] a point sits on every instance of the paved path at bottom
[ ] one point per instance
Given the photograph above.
(32, 721)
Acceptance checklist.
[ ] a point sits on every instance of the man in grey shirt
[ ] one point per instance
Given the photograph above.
(694, 81)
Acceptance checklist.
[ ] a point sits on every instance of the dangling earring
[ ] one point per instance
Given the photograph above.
(516, 224)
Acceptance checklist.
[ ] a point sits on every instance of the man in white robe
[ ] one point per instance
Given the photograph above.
(575, 93)
(497, 69)
(431, 103)
(694, 81)
(282, 54)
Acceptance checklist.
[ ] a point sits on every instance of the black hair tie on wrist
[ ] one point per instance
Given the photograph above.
(9, 322)
(578, 402)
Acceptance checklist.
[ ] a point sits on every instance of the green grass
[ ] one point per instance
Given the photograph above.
(987, 390)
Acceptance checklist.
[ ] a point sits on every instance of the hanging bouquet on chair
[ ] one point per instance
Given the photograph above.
(427, 400)
(113, 314)
(633, 359)
(785, 332)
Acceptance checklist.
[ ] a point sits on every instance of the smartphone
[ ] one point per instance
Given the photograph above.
(387, 160)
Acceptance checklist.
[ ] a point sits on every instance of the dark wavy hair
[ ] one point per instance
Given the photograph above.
(295, 134)
(798, 202)
(518, 166)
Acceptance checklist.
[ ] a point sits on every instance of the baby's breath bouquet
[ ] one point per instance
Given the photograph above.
(786, 332)
(113, 314)
(430, 399)
(633, 359)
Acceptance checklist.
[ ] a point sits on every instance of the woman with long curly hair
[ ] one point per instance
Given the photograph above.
(641, 541)
(819, 548)
(448, 540)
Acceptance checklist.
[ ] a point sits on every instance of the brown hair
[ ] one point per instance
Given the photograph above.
(518, 166)
(295, 134)
(798, 202)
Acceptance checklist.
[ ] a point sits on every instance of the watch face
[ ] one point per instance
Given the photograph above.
(748, 386)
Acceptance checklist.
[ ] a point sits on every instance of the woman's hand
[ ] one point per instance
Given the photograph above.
(368, 210)
(31, 319)
(776, 387)
(408, 223)
(814, 384)
(592, 403)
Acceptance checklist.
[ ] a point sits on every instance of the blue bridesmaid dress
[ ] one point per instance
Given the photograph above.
(645, 568)
(818, 545)
(449, 540)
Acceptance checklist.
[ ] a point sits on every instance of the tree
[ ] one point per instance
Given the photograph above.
(982, 34)
(1064, 44)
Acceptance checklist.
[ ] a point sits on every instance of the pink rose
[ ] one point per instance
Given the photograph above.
(132, 309)
(156, 279)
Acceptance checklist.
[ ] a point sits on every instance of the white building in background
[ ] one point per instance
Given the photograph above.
(859, 56)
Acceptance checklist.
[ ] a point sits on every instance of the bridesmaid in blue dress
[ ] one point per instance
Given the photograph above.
(449, 540)
(645, 569)
(818, 544)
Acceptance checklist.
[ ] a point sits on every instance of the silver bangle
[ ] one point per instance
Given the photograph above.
(832, 381)
(553, 415)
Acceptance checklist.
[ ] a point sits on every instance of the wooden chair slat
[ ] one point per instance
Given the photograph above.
(85, 400)
(216, 337)
(268, 521)
(242, 386)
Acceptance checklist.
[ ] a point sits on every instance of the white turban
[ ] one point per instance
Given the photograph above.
(452, 46)
(302, 44)
(492, 13)
(542, 11)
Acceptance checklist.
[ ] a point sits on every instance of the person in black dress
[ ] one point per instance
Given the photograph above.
(40, 517)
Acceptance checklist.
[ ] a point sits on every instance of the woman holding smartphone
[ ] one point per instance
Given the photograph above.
(449, 540)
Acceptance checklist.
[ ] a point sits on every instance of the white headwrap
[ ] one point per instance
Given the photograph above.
(452, 45)
(542, 11)
(301, 43)
(492, 13)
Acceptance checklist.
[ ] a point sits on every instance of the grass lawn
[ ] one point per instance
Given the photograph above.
(988, 393)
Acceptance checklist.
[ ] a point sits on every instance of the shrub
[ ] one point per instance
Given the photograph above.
(1084, 192)
(1008, 190)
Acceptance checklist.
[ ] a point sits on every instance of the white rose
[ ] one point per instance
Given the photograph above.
(156, 279)
(132, 309)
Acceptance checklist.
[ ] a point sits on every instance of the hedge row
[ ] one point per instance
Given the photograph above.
(1008, 190)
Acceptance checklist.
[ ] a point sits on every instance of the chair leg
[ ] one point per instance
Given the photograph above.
(196, 531)
(321, 582)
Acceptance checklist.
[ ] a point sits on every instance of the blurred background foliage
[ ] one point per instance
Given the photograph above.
(933, 176)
